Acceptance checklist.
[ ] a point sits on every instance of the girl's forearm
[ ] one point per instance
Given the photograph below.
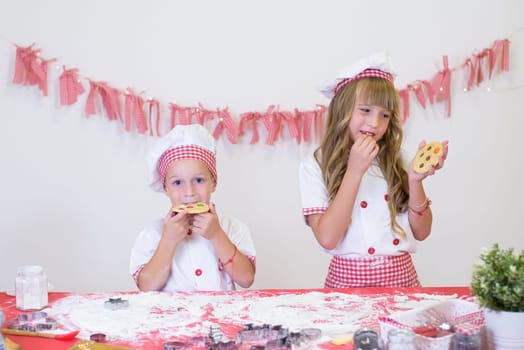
(331, 226)
(420, 215)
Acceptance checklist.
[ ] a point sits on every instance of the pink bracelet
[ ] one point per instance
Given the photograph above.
(230, 260)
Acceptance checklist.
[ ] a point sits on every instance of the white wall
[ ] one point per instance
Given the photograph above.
(73, 192)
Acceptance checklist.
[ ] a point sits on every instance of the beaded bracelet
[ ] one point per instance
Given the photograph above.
(421, 205)
(426, 205)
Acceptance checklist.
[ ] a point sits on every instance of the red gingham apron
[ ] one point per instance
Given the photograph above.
(380, 271)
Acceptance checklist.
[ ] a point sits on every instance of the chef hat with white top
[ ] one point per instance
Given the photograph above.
(183, 142)
(378, 65)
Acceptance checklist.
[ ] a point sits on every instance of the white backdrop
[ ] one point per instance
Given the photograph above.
(73, 193)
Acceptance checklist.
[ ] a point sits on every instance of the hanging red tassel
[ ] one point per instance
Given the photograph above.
(292, 125)
(153, 104)
(272, 122)
(30, 68)
(183, 114)
(483, 59)
(313, 119)
(470, 73)
(404, 98)
(441, 85)
(253, 118)
(422, 90)
(499, 49)
(110, 100)
(203, 114)
(226, 122)
(70, 86)
(134, 110)
(320, 113)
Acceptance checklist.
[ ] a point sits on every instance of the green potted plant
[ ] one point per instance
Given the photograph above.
(498, 287)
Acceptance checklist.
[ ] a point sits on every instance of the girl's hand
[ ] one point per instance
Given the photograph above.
(176, 226)
(414, 176)
(206, 224)
(362, 154)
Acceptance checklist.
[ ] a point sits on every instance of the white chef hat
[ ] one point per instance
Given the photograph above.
(183, 142)
(378, 65)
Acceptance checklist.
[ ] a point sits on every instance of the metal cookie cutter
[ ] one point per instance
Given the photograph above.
(176, 345)
(275, 337)
(215, 334)
(98, 337)
(116, 303)
(191, 343)
(33, 322)
(265, 332)
(228, 345)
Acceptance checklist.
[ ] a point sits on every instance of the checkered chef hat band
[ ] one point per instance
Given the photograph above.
(368, 73)
(187, 152)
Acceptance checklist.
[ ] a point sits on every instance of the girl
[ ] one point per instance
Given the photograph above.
(362, 205)
(187, 252)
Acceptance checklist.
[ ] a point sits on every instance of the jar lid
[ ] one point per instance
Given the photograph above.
(30, 269)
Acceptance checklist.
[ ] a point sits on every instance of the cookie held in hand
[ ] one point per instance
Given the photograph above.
(195, 208)
(427, 156)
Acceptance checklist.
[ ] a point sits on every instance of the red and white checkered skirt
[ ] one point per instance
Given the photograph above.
(380, 271)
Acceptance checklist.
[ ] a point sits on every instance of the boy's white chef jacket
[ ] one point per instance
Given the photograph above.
(195, 263)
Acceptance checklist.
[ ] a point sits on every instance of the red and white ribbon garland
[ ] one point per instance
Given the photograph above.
(31, 69)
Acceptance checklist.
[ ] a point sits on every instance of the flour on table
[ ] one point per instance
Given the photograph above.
(168, 316)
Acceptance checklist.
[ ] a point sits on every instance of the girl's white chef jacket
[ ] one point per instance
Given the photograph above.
(370, 233)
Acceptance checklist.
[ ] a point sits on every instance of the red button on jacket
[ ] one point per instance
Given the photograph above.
(371, 250)
(363, 204)
(198, 272)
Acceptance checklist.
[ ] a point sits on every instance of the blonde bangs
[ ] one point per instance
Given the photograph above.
(378, 92)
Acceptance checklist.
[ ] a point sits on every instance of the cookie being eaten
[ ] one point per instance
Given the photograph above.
(195, 208)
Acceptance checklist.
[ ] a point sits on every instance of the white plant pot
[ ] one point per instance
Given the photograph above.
(504, 329)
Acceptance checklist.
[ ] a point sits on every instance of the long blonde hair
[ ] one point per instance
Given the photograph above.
(332, 154)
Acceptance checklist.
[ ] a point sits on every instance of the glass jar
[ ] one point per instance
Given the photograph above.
(464, 341)
(401, 339)
(366, 339)
(31, 288)
(2, 343)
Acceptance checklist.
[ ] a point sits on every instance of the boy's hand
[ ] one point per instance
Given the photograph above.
(206, 224)
(176, 226)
